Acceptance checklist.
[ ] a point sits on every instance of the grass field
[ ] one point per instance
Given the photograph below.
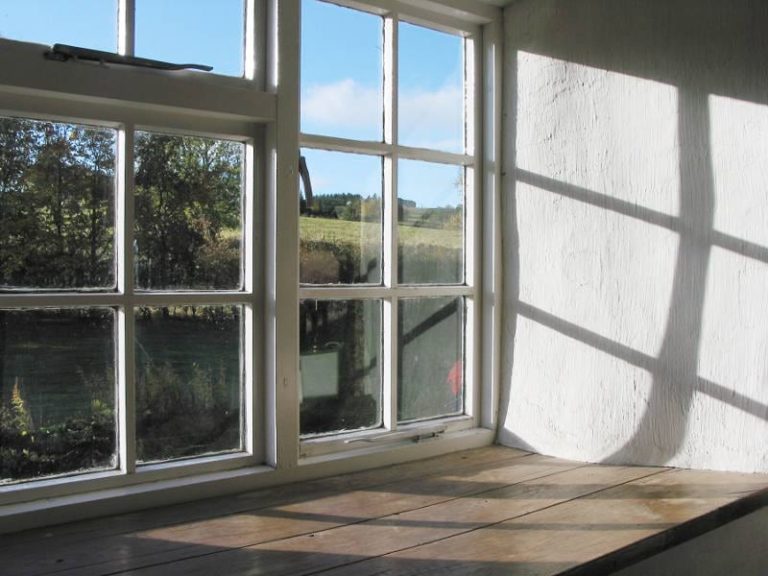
(348, 232)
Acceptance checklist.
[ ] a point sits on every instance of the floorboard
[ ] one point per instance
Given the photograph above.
(489, 511)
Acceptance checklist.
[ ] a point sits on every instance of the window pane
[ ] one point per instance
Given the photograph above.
(188, 381)
(431, 223)
(339, 363)
(57, 392)
(188, 232)
(87, 23)
(194, 31)
(56, 205)
(341, 72)
(340, 223)
(431, 89)
(430, 358)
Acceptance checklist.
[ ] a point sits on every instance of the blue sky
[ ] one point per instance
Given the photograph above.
(341, 75)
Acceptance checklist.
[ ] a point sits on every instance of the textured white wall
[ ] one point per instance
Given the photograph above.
(636, 231)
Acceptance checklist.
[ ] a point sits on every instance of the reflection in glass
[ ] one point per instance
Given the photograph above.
(194, 32)
(343, 99)
(431, 89)
(430, 358)
(340, 368)
(56, 205)
(340, 223)
(57, 392)
(431, 223)
(86, 23)
(188, 232)
(188, 381)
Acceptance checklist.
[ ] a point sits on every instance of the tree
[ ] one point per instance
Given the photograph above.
(188, 192)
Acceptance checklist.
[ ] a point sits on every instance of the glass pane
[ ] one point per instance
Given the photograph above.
(431, 223)
(188, 232)
(341, 72)
(57, 392)
(340, 223)
(431, 89)
(188, 381)
(339, 363)
(56, 205)
(430, 358)
(193, 31)
(87, 23)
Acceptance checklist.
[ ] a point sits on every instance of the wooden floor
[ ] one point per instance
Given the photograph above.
(489, 511)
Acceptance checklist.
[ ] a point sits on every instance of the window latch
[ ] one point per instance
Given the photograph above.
(64, 52)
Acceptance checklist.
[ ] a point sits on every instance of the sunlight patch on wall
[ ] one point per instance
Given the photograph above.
(566, 395)
(606, 132)
(739, 136)
(734, 338)
(594, 268)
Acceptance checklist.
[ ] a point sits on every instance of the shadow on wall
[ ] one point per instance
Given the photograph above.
(595, 173)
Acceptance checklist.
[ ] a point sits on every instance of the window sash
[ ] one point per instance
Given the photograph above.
(391, 292)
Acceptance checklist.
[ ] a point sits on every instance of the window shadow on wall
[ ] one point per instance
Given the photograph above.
(674, 43)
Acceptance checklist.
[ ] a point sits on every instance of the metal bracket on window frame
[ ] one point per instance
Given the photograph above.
(64, 52)
(415, 435)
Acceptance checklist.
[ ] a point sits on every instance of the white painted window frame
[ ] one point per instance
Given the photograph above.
(262, 110)
(126, 100)
(390, 293)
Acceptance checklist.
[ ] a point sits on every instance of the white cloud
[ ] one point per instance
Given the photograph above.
(432, 119)
(428, 118)
(344, 104)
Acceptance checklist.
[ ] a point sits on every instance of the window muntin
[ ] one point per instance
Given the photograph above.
(340, 227)
(345, 99)
(210, 33)
(87, 23)
(188, 231)
(57, 198)
(340, 365)
(189, 381)
(428, 181)
(57, 416)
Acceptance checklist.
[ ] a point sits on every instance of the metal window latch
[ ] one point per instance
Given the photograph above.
(414, 435)
(64, 52)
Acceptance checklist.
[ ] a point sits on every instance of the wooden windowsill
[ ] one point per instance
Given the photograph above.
(484, 511)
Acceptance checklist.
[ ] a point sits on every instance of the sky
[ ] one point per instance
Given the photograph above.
(341, 85)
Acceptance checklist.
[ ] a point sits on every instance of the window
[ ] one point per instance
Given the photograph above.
(386, 218)
(178, 315)
(127, 253)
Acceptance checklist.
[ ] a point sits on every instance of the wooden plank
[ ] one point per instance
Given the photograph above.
(262, 516)
(578, 536)
(488, 511)
(201, 509)
(493, 497)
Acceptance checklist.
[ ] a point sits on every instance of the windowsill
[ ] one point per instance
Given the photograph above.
(142, 492)
(493, 511)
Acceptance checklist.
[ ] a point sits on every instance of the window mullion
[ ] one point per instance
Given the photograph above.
(390, 221)
(125, 336)
(126, 30)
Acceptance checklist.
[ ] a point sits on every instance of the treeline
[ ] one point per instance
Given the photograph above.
(57, 208)
(356, 208)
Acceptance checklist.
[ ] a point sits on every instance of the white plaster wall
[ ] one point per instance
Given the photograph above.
(636, 231)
